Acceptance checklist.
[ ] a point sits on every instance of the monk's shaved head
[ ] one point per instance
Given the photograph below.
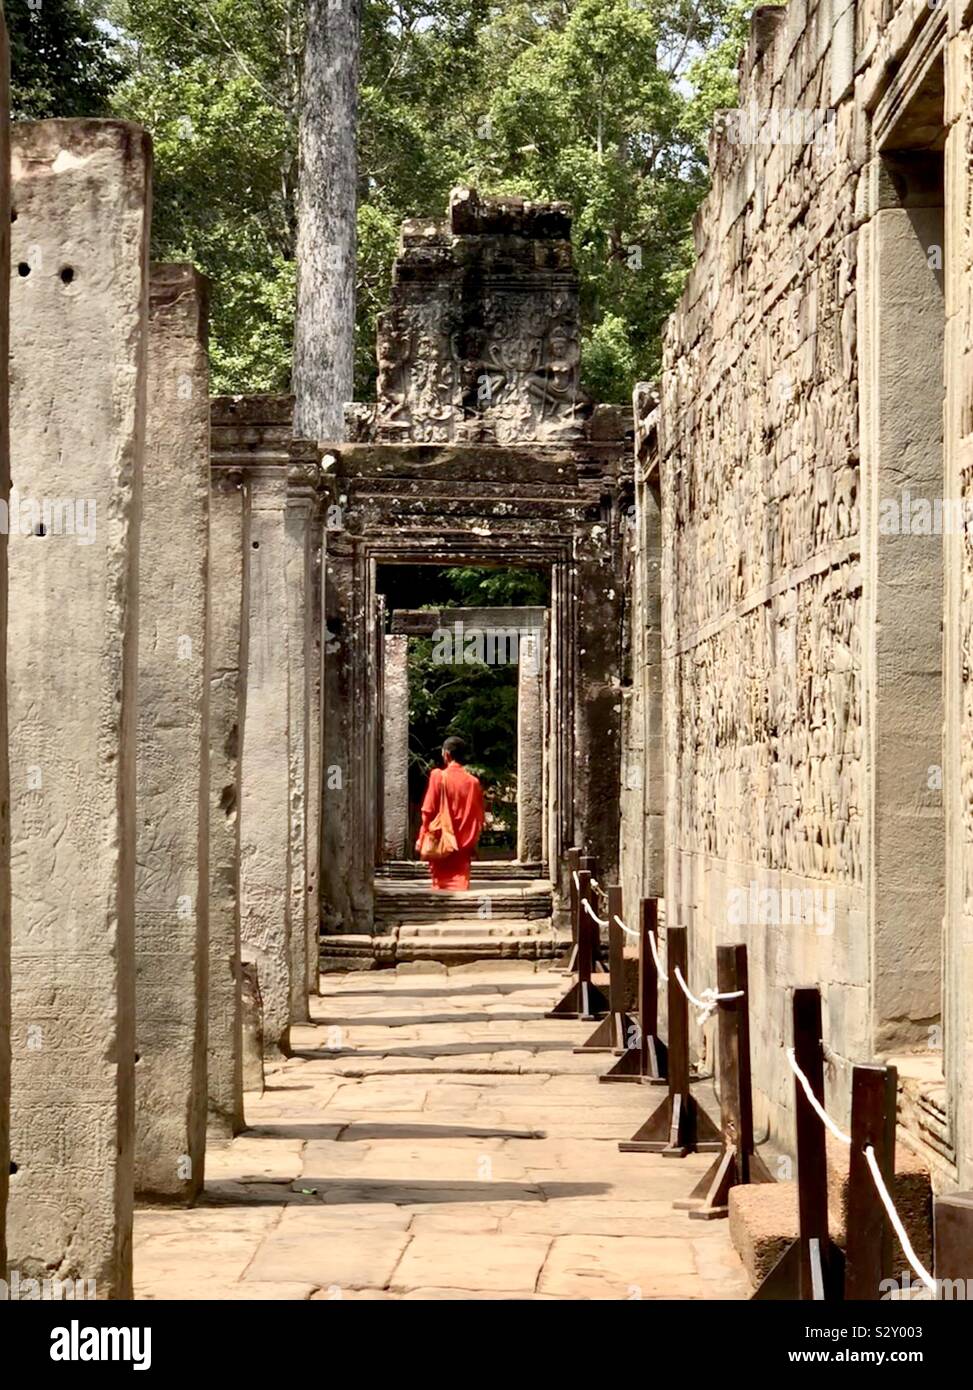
(456, 748)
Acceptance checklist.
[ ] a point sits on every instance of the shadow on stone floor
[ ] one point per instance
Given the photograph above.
(418, 1192)
(362, 1130)
(432, 1050)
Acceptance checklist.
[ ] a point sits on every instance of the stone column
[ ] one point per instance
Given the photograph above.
(597, 700)
(265, 909)
(313, 920)
(395, 745)
(530, 747)
(80, 190)
(4, 784)
(229, 602)
(172, 794)
(902, 330)
(346, 879)
(298, 525)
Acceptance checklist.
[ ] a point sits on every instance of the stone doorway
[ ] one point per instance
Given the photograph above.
(481, 451)
(479, 673)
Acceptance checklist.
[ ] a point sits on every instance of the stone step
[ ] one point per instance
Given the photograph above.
(415, 870)
(445, 943)
(491, 926)
(397, 903)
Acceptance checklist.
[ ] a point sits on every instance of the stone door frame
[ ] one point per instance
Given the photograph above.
(526, 620)
(419, 549)
(359, 563)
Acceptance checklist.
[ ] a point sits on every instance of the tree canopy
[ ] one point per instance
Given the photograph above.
(602, 103)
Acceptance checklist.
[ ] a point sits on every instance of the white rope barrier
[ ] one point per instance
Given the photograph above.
(875, 1171)
(895, 1219)
(599, 921)
(655, 956)
(813, 1101)
(577, 881)
(710, 998)
(627, 930)
(835, 1058)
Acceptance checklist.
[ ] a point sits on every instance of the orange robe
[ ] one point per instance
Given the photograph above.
(464, 796)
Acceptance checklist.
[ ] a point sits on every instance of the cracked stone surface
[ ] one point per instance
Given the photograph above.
(434, 1138)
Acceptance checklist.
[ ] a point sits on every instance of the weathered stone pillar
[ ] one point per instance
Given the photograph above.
(902, 332)
(80, 191)
(229, 602)
(597, 701)
(4, 784)
(530, 747)
(172, 874)
(265, 908)
(346, 872)
(395, 745)
(299, 530)
(641, 848)
(313, 920)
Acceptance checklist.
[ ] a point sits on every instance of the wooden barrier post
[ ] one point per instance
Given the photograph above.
(645, 1057)
(679, 1125)
(812, 1266)
(567, 962)
(599, 961)
(613, 1033)
(584, 999)
(953, 1236)
(738, 1162)
(868, 1249)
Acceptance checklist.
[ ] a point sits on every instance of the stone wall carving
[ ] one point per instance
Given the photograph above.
(481, 342)
(762, 589)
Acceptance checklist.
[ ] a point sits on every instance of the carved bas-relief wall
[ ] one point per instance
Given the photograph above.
(481, 449)
(810, 808)
(481, 342)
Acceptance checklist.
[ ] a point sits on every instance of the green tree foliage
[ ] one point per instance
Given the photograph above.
(473, 587)
(217, 83)
(602, 103)
(62, 63)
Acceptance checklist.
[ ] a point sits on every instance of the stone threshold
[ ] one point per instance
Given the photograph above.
(445, 943)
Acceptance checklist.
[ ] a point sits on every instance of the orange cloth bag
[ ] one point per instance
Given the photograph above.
(439, 840)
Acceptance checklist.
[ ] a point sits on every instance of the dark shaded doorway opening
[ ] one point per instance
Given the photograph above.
(462, 684)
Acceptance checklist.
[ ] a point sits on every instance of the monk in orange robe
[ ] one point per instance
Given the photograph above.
(464, 796)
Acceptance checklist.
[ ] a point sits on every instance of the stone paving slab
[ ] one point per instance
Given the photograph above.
(434, 1138)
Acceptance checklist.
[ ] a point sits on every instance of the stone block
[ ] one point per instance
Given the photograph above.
(763, 1216)
(763, 1223)
(911, 1192)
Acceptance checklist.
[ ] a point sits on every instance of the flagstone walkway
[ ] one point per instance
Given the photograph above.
(435, 1137)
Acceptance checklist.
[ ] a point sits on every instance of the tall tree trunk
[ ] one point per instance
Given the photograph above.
(324, 332)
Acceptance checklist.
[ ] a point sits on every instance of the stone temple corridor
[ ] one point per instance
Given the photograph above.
(248, 1049)
(435, 1137)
